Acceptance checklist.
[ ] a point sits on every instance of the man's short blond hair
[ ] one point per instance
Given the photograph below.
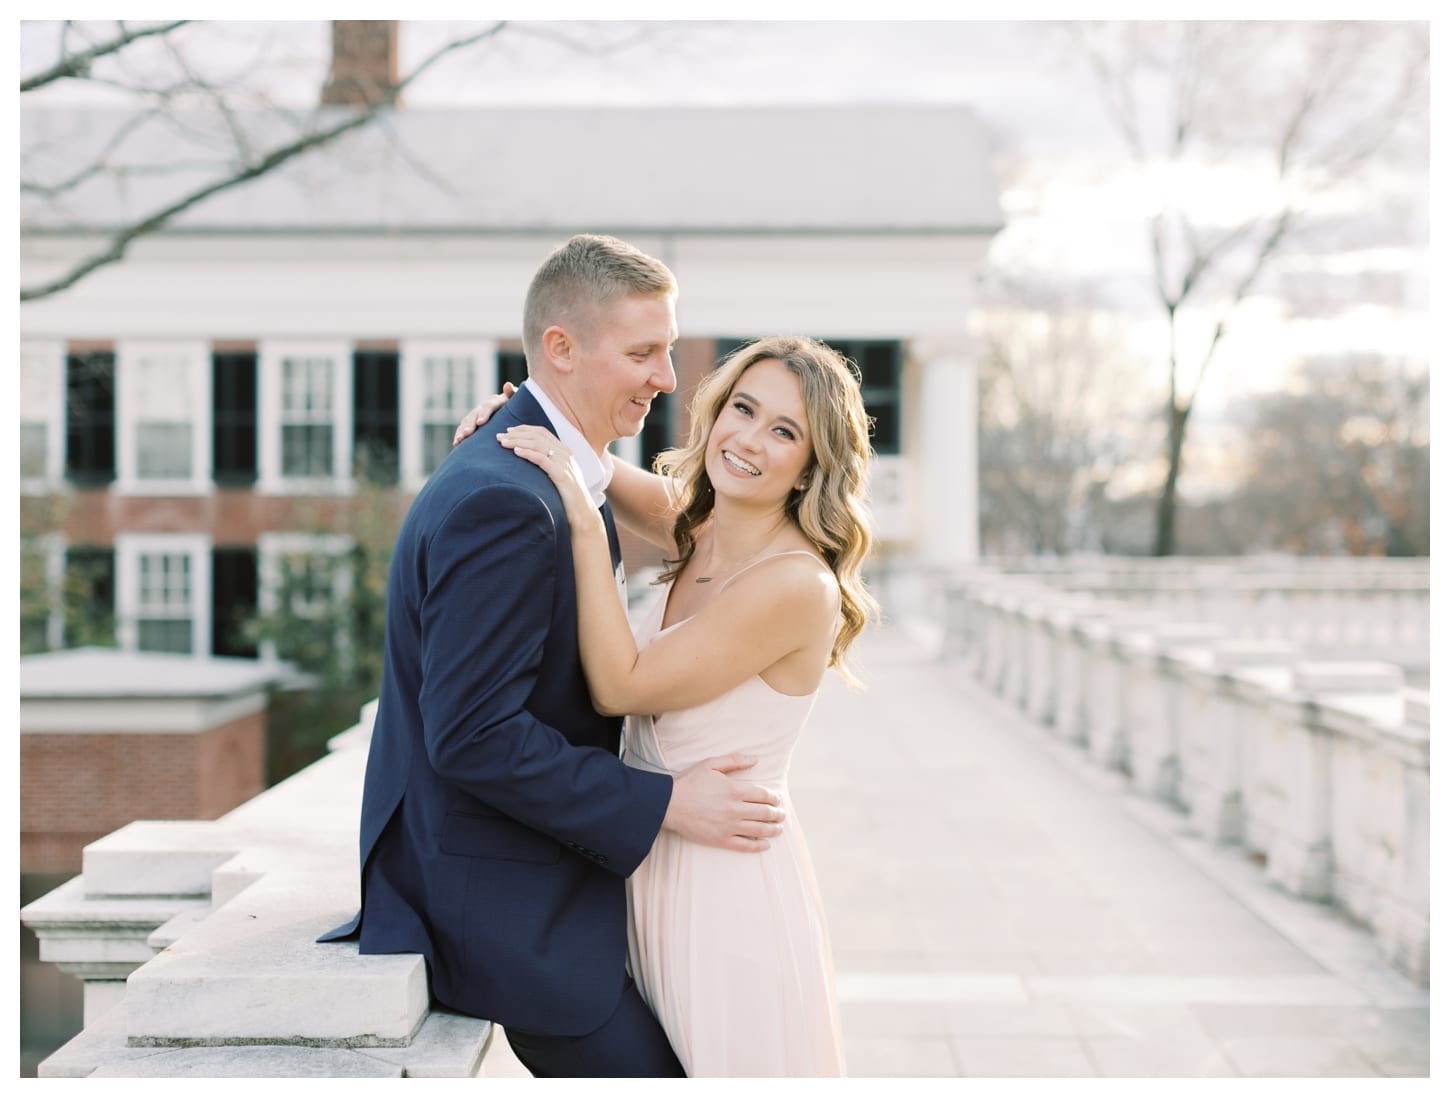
(583, 273)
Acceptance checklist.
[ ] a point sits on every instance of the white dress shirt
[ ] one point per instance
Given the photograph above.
(597, 471)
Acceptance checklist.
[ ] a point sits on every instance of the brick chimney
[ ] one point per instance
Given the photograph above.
(364, 62)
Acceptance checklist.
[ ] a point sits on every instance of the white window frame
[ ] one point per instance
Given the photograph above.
(130, 548)
(42, 364)
(413, 391)
(270, 479)
(272, 548)
(130, 410)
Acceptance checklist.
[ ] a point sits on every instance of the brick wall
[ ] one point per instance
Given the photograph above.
(76, 787)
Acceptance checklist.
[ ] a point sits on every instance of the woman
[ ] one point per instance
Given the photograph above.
(763, 514)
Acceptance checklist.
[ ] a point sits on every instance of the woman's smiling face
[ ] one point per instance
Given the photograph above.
(760, 444)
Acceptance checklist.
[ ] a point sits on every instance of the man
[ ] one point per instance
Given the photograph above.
(498, 823)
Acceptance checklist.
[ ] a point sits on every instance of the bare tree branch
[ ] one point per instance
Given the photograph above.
(78, 64)
(100, 164)
(121, 242)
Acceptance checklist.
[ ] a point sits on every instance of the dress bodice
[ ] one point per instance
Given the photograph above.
(753, 718)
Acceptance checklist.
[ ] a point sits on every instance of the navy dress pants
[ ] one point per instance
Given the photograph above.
(630, 1045)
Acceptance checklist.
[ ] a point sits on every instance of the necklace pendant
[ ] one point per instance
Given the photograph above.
(702, 579)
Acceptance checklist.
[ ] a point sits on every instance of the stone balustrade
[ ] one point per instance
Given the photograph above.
(1317, 767)
(196, 942)
(1345, 607)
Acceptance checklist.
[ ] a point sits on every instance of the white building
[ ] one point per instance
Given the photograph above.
(185, 401)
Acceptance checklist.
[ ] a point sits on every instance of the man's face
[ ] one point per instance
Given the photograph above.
(622, 363)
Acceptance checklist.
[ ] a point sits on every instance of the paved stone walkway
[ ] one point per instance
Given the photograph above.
(998, 907)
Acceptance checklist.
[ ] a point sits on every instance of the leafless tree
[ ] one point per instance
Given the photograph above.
(1339, 462)
(1056, 414)
(1245, 130)
(160, 73)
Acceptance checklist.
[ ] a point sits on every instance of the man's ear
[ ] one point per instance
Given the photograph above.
(558, 346)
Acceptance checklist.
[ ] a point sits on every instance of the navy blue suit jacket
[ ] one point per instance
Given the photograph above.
(498, 823)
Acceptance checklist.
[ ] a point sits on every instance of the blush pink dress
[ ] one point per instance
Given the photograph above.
(730, 950)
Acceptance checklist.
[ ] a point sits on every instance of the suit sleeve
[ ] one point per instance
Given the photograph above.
(484, 620)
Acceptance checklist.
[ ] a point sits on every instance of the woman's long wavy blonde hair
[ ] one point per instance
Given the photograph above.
(831, 511)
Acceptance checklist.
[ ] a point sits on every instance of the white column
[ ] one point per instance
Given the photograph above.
(944, 451)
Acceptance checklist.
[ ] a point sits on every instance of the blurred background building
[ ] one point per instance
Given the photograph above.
(203, 407)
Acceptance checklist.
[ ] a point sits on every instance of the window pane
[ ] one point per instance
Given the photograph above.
(32, 449)
(163, 450)
(307, 451)
(164, 635)
(437, 441)
(161, 384)
(307, 388)
(165, 582)
(447, 387)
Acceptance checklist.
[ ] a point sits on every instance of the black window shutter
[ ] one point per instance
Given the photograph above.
(90, 401)
(375, 415)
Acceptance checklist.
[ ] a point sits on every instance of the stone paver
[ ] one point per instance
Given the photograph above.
(999, 907)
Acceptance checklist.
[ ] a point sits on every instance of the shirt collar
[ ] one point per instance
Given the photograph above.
(597, 472)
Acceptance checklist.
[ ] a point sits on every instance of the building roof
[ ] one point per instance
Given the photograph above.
(798, 169)
(104, 673)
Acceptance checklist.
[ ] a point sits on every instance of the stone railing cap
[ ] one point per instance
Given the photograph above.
(104, 673)
(1227, 654)
(1360, 677)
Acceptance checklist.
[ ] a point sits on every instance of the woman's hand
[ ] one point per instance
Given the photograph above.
(482, 413)
(546, 451)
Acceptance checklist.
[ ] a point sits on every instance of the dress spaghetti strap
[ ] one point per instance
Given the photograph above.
(773, 556)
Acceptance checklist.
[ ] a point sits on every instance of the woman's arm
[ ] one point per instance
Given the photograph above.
(641, 503)
(772, 612)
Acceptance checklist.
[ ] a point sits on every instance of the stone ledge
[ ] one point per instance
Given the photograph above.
(75, 928)
(253, 971)
(447, 1046)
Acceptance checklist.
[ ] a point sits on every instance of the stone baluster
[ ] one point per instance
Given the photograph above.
(1152, 701)
(1074, 663)
(1401, 915)
(1104, 680)
(1293, 812)
(1213, 720)
(1045, 641)
(994, 605)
